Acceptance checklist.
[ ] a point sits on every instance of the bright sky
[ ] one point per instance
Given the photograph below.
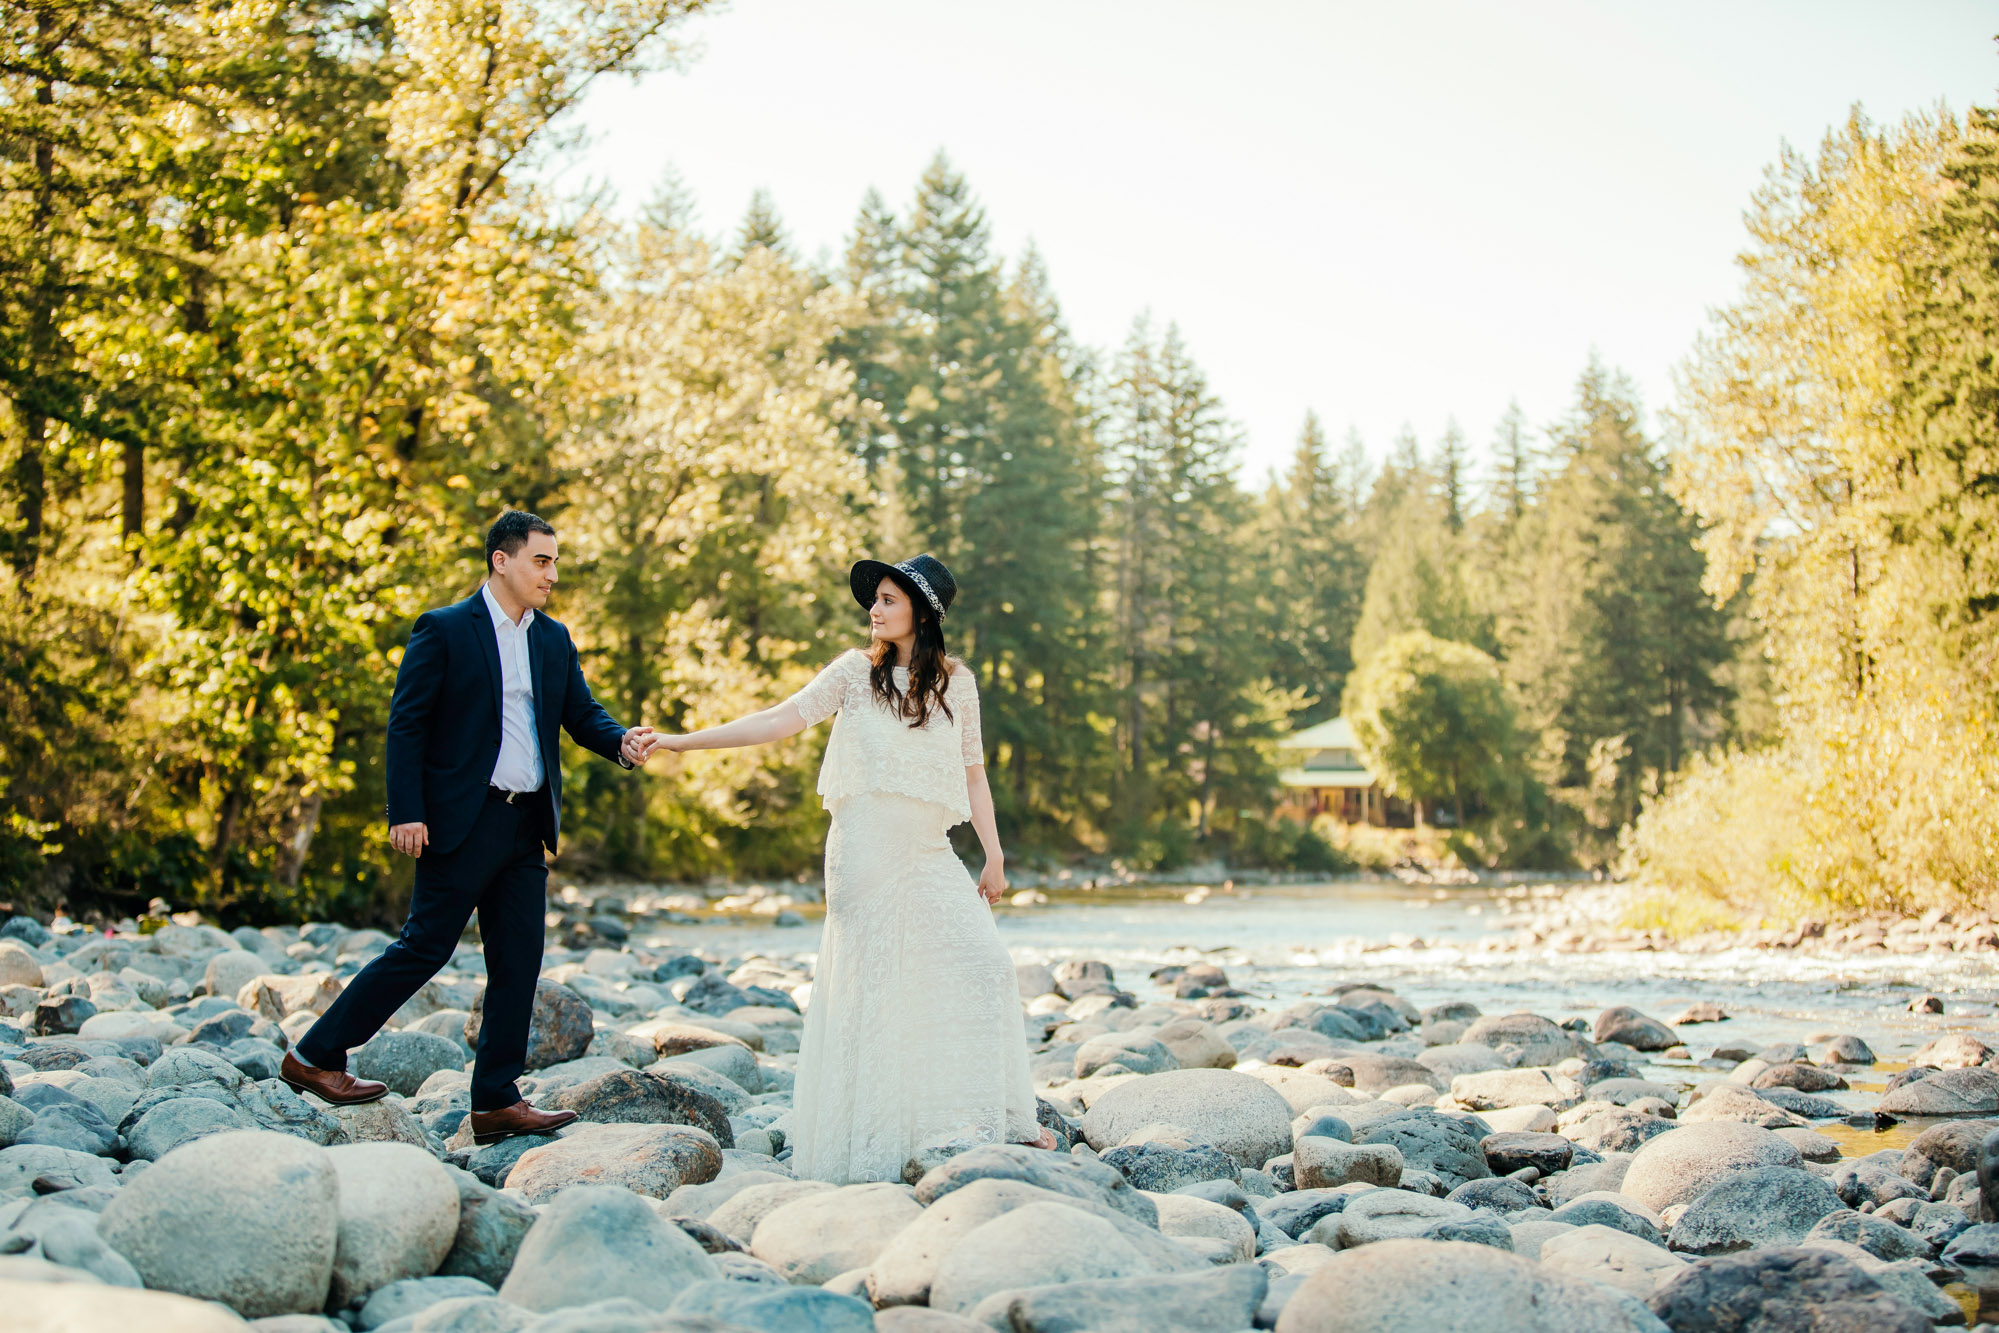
(1387, 212)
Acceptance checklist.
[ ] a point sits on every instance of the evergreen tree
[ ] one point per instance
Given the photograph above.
(762, 228)
(1313, 579)
(1452, 480)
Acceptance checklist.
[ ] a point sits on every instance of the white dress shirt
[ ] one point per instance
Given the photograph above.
(519, 766)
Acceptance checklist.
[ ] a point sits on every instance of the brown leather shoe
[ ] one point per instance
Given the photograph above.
(330, 1085)
(520, 1118)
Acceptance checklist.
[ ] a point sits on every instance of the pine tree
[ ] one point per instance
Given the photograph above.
(761, 229)
(1452, 480)
(1314, 577)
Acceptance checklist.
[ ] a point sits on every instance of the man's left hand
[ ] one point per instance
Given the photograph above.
(633, 746)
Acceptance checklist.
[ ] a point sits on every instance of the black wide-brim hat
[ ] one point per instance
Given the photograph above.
(924, 575)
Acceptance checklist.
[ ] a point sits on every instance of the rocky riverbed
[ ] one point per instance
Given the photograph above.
(1342, 1161)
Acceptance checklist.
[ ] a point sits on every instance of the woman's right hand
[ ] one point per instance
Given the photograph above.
(662, 741)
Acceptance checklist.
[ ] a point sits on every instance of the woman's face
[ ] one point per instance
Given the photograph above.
(891, 617)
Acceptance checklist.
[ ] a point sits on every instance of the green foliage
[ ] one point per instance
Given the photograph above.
(1435, 722)
(1839, 449)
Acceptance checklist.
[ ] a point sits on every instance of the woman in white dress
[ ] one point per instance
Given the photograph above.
(914, 1031)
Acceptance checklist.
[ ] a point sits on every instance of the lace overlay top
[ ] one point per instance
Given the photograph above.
(873, 750)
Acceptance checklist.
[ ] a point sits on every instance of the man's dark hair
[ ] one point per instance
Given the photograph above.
(510, 532)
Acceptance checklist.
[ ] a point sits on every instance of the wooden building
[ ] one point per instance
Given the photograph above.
(1323, 774)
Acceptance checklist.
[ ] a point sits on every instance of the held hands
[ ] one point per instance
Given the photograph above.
(410, 839)
(635, 745)
(992, 882)
(659, 742)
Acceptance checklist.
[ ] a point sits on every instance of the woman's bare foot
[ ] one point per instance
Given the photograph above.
(1047, 1140)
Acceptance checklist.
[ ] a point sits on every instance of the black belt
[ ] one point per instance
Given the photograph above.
(502, 794)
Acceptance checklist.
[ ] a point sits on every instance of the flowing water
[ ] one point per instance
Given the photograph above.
(1284, 942)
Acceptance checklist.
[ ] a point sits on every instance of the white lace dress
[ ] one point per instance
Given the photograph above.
(914, 1030)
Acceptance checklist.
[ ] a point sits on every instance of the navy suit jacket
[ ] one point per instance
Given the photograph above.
(444, 719)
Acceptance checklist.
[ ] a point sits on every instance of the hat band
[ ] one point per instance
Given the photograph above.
(923, 584)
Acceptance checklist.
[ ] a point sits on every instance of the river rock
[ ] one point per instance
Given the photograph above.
(1867, 1181)
(1195, 1045)
(1620, 1129)
(1243, 1117)
(1377, 1073)
(1681, 1166)
(388, 1120)
(630, 1096)
(559, 1031)
(1135, 1052)
(60, 1014)
(1610, 1209)
(410, 1297)
(491, 1227)
(1627, 1027)
(1799, 1076)
(1074, 1176)
(398, 1217)
(1624, 1091)
(1385, 1215)
(18, 965)
(230, 971)
(599, 1242)
(1779, 1290)
(1053, 1242)
(25, 1163)
(1546, 1153)
(818, 1236)
(1516, 1087)
(1953, 1050)
(1610, 1256)
(907, 1265)
(1161, 1169)
(1453, 1287)
(1211, 1228)
(1954, 1145)
(1431, 1142)
(64, 1120)
(1735, 1102)
(737, 1216)
(1325, 1163)
(181, 1120)
(64, 1231)
(721, 1303)
(1301, 1091)
(1464, 1057)
(1882, 1239)
(1947, 1092)
(279, 997)
(251, 1219)
(403, 1060)
(653, 1160)
(1539, 1041)
(1757, 1206)
(1221, 1301)
(1500, 1194)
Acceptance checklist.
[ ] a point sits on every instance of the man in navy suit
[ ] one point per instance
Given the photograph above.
(475, 793)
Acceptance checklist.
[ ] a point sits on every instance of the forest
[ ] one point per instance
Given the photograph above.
(286, 320)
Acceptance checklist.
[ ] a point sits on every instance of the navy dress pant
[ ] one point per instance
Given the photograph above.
(498, 871)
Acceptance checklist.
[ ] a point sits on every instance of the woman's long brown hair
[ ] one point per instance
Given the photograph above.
(929, 665)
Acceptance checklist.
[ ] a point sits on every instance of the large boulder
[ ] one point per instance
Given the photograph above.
(1765, 1205)
(1074, 1176)
(491, 1227)
(1681, 1166)
(820, 1235)
(637, 1097)
(1242, 1116)
(907, 1265)
(1386, 1214)
(1611, 1256)
(653, 1160)
(1954, 1145)
(403, 1060)
(1428, 1141)
(1947, 1092)
(251, 1219)
(559, 1031)
(1781, 1290)
(1539, 1041)
(1497, 1089)
(1453, 1287)
(601, 1242)
(1050, 1241)
(398, 1217)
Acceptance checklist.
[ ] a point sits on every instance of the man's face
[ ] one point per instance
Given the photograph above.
(529, 573)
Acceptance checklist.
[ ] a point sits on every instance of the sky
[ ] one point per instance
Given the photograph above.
(1385, 213)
